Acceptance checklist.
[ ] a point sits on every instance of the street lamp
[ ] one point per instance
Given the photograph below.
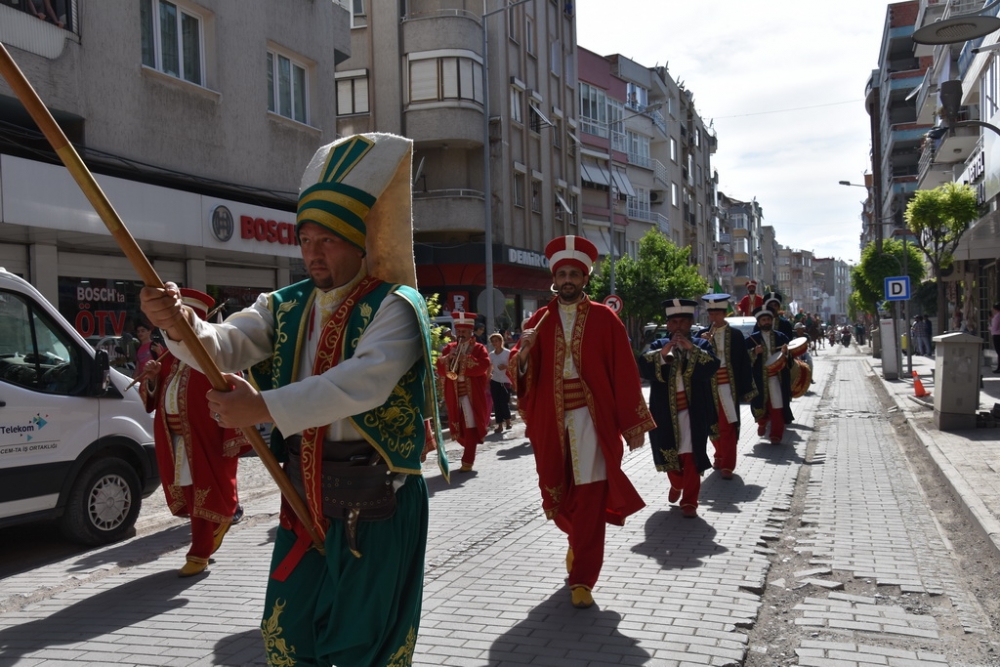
(958, 28)
(487, 178)
(854, 185)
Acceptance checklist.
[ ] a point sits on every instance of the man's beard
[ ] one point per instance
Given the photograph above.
(569, 292)
(766, 327)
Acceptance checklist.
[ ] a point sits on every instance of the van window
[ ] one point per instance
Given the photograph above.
(34, 353)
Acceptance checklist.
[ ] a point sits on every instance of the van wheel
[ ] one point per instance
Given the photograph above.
(103, 504)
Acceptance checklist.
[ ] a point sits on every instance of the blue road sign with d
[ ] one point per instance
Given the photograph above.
(897, 288)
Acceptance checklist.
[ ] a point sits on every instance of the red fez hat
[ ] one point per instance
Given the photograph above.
(751, 283)
(571, 249)
(463, 319)
(199, 301)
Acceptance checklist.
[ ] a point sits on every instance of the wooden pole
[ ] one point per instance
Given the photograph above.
(78, 170)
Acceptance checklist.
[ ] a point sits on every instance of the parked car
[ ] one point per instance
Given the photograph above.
(76, 444)
(745, 324)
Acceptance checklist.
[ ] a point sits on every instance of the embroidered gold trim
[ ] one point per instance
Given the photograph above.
(279, 654)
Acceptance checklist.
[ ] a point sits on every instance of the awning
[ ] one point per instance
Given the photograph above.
(595, 173)
(982, 240)
(624, 185)
(600, 238)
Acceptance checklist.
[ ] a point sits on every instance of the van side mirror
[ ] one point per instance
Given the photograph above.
(100, 379)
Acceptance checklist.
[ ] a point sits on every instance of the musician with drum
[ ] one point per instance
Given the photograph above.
(733, 382)
(680, 371)
(769, 353)
(465, 366)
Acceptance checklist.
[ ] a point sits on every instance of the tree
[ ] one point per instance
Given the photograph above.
(661, 271)
(868, 277)
(938, 218)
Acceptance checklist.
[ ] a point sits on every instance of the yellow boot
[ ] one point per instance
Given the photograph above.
(569, 560)
(193, 566)
(220, 533)
(582, 598)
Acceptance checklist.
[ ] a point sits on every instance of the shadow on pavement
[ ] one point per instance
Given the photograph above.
(724, 495)
(242, 650)
(516, 452)
(588, 631)
(783, 454)
(458, 479)
(136, 551)
(130, 604)
(677, 543)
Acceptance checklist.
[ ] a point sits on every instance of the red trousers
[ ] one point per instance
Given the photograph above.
(776, 417)
(725, 444)
(469, 444)
(582, 517)
(202, 531)
(687, 479)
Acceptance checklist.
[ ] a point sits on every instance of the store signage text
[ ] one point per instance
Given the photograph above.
(267, 231)
(99, 322)
(527, 258)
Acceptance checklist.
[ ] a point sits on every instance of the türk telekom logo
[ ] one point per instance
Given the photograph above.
(222, 224)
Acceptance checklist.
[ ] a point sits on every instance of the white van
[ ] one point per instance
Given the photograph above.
(76, 444)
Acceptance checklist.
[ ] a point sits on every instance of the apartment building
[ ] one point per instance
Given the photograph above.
(833, 278)
(768, 255)
(897, 130)
(743, 222)
(967, 75)
(197, 119)
(417, 68)
(796, 282)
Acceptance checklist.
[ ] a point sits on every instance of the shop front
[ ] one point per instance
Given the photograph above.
(521, 275)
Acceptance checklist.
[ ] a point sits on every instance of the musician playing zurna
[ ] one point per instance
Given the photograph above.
(769, 353)
(465, 366)
(733, 382)
(680, 371)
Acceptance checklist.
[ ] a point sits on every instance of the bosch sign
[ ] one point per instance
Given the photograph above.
(267, 231)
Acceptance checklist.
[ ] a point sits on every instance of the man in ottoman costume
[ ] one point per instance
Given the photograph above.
(341, 366)
(465, 366)
(579, 392)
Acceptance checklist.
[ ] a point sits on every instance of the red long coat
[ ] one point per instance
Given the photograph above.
(606, 365)
(476, 369)
(212, 451)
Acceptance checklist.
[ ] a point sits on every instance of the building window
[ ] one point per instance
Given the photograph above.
(572, 205)
(513, 25)
(638, 150)
(673, 149)
(557, 133)
(452, 78)
(286, 87)
(638, 206)
(616, 127)
(517, 105)
(555, 57)
(529, 35)
(359, 17)
(673, 194)
(519, 189)
(638, 97)
(352, 95)
(593, 110)
(536, 196)
(172, 40)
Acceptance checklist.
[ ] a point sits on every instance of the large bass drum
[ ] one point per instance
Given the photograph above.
(801, 378)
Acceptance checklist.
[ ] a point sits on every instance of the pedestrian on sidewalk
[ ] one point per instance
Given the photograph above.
(579, 391)
(197, 457)
(995, 333)
(769, 353)
(499, 382)
(340, 364)
(921, 337)
(465, 366)
(733, 382)
(680, 371)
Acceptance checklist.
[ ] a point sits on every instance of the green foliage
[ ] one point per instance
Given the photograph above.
(938, 218)
(925, 298)
(662, 271)
(868, 277)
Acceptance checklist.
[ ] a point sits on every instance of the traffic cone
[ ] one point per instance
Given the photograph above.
(918, 386)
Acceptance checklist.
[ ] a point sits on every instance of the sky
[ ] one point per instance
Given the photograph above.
(784, 83)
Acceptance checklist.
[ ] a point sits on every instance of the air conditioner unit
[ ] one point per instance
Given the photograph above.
(654, 196)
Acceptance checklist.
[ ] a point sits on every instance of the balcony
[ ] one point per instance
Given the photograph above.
(932, 172)
(957, 144)
(662, 223)
(458, 123)
(451, 210)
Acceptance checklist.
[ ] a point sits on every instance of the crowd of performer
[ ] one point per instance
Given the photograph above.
(342, 365)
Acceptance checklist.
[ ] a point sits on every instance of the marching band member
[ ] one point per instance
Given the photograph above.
(733, 382)
(680, 371)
